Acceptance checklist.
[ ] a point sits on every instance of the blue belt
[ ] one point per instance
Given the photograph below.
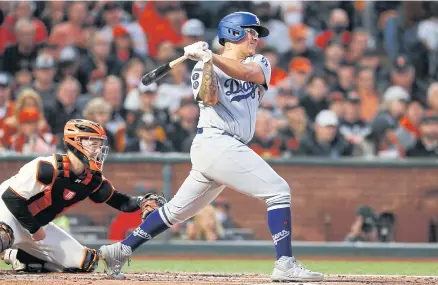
(201, 130)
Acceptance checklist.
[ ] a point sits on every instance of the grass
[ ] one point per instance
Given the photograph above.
(265, 266)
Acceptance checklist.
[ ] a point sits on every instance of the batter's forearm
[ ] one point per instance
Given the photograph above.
(233, 68)
(18, 207)
(209, 91)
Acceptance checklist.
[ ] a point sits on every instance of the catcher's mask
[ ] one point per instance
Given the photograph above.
(87, 140)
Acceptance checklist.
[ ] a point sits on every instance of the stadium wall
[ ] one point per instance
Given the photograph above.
(325, 193)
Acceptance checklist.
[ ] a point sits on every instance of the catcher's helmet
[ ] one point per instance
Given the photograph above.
(232, 27)
(92, 155)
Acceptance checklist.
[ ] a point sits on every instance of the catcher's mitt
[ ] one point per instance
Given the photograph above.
(149, 203)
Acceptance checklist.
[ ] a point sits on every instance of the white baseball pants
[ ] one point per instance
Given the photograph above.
(218, 161)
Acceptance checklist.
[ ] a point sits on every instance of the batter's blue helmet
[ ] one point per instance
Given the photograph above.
(232, 27)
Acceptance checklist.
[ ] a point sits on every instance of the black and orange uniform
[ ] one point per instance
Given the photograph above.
(46, 187)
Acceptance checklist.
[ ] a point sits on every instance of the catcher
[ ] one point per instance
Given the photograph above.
(45, 187)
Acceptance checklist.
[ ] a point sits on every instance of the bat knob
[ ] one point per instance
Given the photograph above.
(148, 79)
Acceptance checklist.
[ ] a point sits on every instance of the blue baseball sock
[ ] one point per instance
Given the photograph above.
(279, 222)
(152, 226)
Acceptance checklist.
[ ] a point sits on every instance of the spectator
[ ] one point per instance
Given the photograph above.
(277, 73)
(300, 70)
(427, 28)
(28, 138)
(161, 21)
(283, 98)
(352, 126)
(333, 55)
(337, 28)
(409, 131)
(346, 74)
(123, 47)
(192, 31)
(27, 98)
(132, 73)
(366, 86)
(432, 98)
(183, 129)
(6, 105)
(99, 111)
(64, 107)
(69, 63)
(21, 55)
(277, 28)
(297, 127)
(324, 140)
(394, 106)
(315, 101)
(176, 88)
(71, 33)
(53, 14)
(358, 45)
(22, 10)
(113, 20)
(98, 61)
(146, 140)
(222, 211)
(299, 35)
(336, 103)
(165, 52)
(364, 227)
(44, 73)
(427, 145)
(265, 142)
(205, 226)
(147, 109)
(23, 78)
(370, 59)
(403, 75)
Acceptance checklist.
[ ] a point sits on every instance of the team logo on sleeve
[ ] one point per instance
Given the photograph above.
(195, 76)
(239, 90)
(195, 84)
(68, 194)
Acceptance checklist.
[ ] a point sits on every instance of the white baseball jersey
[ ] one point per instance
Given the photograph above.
(236, 110)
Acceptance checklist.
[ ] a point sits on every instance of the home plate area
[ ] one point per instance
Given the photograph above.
(10, 278)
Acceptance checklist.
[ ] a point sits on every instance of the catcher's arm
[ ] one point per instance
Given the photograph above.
(123, 202)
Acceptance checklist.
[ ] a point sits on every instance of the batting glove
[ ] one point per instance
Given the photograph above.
(195, 51)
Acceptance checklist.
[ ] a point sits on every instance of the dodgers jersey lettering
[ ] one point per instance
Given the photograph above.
(236, 110)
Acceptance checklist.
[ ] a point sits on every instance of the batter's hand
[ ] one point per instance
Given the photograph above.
(196, 51)
(39, 235)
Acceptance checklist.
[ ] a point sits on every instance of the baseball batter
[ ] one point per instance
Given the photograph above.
(45, 187)
(229, 89)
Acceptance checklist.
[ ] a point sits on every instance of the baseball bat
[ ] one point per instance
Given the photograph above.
(161, 71)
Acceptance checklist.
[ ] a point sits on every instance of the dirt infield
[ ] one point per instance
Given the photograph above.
(7, 277)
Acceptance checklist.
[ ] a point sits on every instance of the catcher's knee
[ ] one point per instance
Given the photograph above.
(6, 236)
(281, 195)
(91, 261)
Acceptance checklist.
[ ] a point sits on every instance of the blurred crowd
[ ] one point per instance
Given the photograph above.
(348, 78)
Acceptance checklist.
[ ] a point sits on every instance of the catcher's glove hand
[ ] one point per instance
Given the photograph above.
(149, 203)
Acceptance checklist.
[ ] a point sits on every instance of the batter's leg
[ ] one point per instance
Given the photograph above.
(195, 193)
(237, 166)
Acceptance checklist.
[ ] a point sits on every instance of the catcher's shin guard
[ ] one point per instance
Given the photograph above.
(89, 264)
(6, 237)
